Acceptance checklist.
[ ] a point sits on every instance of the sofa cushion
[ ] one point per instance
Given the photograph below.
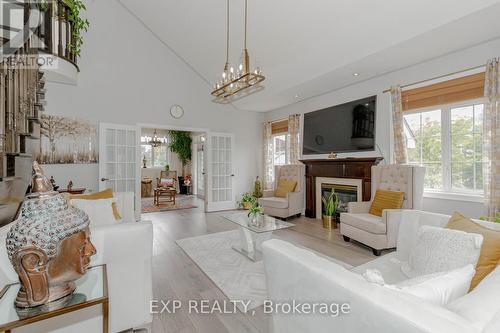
(104, 194)
(388, 265)
(99, 211)
(386, 200)
(490, 251)
(481, 304)
(440, 249)
(274, 202)
(365, 221)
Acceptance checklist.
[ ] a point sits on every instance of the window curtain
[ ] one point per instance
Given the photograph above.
(491, 138)
(268, 157)
(400, 156)
(294, 138)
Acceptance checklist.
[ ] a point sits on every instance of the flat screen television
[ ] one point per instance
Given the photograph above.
(343, 128)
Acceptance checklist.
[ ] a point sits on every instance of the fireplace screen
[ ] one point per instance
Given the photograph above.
(346, 194)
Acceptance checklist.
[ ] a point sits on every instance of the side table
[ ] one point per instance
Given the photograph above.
(91, 290)
(146, 186)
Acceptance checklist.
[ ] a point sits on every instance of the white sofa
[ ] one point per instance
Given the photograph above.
(126, 249)
(295, 273)
(377, 232)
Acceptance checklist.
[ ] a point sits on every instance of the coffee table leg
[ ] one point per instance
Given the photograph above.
(250, 243)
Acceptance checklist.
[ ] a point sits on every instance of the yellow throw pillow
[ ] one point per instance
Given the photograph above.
(285, 186)
(490, 250)
(386, 200)
(105, 194)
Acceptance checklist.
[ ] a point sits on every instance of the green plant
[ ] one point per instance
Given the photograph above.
(167, 167)
(246, 198)
(331, 203)
(495, 218)
(79, 24)
(180, 143)
(257, 188)
(255, 210)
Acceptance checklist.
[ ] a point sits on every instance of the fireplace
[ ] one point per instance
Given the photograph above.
(347, 189)
(351, 172)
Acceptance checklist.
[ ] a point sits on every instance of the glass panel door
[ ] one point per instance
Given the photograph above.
(220, 189)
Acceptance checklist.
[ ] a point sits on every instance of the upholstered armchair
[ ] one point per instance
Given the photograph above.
(293, 203)
(377, 232)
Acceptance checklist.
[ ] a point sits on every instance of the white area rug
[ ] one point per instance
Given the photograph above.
(238, 277)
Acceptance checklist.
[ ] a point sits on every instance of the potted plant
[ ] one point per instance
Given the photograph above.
(257, 188)
(247, 201)
(167, 168)
(255, 214)
(330, 204)
(180, 143)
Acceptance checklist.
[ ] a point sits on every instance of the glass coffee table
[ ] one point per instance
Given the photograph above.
(252, 235)
(91, 290)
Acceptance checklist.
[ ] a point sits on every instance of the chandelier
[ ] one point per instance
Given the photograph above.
(242, 81)
(155, 141)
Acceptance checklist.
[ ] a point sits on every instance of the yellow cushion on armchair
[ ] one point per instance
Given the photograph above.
(386, 200)
(285, 186)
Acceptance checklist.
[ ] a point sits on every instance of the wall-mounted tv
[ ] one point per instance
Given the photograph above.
(343, 128)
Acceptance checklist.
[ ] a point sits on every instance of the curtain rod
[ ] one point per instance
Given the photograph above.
(437, 77)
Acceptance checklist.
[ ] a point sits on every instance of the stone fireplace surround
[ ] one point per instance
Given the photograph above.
(356, 183)
(353, 169)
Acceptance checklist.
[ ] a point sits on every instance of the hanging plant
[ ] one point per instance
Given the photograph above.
(79, 24)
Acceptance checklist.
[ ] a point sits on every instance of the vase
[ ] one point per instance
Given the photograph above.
(247, 205)
(329, 222)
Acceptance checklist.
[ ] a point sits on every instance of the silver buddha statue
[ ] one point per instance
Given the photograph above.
(49, 245)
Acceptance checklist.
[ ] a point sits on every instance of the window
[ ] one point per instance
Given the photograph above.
(156, 157)
(279, 149)
(448, 142)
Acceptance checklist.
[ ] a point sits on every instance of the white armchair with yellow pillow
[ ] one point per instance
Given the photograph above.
(376, 223)
(287, 198)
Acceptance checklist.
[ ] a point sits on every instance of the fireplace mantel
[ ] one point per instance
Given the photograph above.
(353, 168)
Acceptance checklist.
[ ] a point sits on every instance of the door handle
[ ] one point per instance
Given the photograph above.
(232, 175)
(104, 179)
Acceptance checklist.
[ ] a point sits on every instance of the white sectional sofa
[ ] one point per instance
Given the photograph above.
(126, 249)
(295, 273)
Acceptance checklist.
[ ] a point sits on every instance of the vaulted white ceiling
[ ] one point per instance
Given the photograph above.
(310, 47)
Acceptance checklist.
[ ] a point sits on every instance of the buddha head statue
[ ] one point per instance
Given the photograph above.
(49, 245)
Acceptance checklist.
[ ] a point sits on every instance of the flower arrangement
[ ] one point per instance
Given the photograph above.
(247, 201)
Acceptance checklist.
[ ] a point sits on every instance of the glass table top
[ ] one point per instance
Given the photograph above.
(266, 223)
(90, 289)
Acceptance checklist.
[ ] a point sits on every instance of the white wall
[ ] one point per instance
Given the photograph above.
(127, 76)
(441, 66)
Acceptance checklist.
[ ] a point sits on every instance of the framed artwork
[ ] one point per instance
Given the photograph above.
(66, 140)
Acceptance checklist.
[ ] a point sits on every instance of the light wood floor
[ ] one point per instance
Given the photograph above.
(176, 276)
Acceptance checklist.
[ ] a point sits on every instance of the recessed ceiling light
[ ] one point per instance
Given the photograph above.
(355, 74)
(296, 96)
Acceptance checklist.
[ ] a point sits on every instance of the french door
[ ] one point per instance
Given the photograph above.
(220, 183)
(117, 160)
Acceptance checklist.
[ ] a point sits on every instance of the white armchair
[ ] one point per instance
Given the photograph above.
(377, 232)
(293, 204)
(126, 249)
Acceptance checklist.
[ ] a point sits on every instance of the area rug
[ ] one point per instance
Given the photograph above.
(181, 202)
(238, 277)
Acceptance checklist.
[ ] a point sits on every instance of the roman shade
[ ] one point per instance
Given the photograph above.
(451, 91)
(280, 126)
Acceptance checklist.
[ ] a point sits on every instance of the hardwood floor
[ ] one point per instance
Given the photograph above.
(176, 276)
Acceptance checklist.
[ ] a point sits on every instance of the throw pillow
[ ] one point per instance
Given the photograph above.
(386, 200)
(105, 194)
(438, 288)
(440, 250)
(490, 251)
(98, 210)
(481, 304)
(167, 182)
(285, 186)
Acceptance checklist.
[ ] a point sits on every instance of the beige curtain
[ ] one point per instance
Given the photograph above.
(397, 122)
(268, 157)
(491, 138)
(294, 138)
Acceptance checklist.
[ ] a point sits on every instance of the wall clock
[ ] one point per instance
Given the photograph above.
(176, 111)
